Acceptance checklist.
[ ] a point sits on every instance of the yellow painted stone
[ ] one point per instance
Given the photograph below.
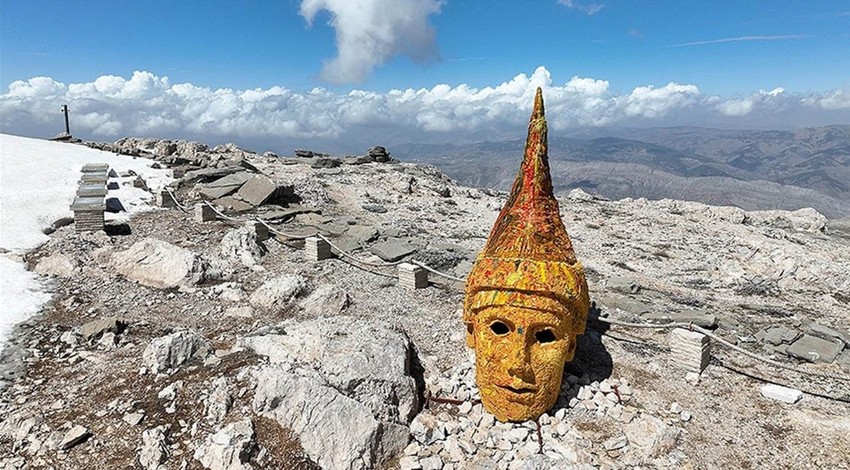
(526, 296)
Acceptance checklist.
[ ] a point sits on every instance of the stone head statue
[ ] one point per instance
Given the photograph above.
(526, 296)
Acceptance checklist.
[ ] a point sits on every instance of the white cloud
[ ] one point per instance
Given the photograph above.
(591, 8)
(149, 105)
(763, 100)
(369, 32)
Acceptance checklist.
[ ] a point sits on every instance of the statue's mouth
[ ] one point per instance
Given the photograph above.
(519, 391)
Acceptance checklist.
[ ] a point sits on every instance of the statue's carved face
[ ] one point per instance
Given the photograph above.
(519, 358)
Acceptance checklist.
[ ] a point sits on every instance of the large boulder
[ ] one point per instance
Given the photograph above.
(156, 263)
(354, 375)
(57, 264)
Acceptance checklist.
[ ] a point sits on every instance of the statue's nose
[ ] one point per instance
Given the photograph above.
(520, 365)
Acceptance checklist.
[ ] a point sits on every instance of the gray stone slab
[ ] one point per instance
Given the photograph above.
(333, 229)
(289, 212)
(207, 174)
(313, 219)
(363, 233)
(237, 179)
(779, 335)
(257, 190)
(347, 244)
(623, 284)
(88, 204)
(814, 349)
(91, 190)
(217, 192)
(233, 204)
(99, 178)
(705, 320)
(828, 333)
(392, 251)
(95, 168)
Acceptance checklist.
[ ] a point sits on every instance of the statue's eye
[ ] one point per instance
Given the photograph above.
(499, 328)
(545, 336)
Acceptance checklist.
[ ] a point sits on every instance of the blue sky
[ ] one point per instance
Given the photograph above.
(750, 64)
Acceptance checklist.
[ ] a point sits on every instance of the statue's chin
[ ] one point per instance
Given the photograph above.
(515, 405)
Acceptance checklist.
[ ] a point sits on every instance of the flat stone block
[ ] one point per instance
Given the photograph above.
(100, 177)
(95, 168)
(91, 190)
(392, 251)
(204, 213)
(90, 204)
(814, 349)
(780, 393)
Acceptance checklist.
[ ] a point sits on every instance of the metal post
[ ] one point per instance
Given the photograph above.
(67, 124)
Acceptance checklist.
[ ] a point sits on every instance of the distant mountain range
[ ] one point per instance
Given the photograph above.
(752, 169)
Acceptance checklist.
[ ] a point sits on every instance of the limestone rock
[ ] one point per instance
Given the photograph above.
(156, 263)
(219, 401)
(94, 329)
(57, 264)
(76, 435)
(277, 292)
(174, 350)
(242, 246)
(651, 436)
(357, 377)
(231, 448)
(154, 449)
(326, 300)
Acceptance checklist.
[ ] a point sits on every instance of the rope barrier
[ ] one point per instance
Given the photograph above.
(729, 345)
(438, 273)
(174, 198)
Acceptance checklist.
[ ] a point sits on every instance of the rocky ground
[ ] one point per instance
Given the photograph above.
(179, 343)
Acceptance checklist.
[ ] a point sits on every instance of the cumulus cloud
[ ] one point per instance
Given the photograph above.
(591, 8)
(149, 105)
(369, 32)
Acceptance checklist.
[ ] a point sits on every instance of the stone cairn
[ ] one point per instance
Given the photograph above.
(89, 204)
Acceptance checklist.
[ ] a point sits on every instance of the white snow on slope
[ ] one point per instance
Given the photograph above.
(38, 180)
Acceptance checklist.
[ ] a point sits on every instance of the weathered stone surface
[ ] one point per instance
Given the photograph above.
(392, 251)
(276, 293)
(218, 191)
(326, 163)
(156, 263)
(698, 318)
(94, 329)
(233, 204)
(57, 264)
(174, 350)
(219, 401)
(829, 334)
(356, 377)
(327, 299)
(779, 335)
(208, 174)
(623, 284)
(76, 435)
(257, 190)
(362, 233)
(814, 349)
(154, 450)
(231, 448)
(651, 436)
(234, 179)
(242, 246)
